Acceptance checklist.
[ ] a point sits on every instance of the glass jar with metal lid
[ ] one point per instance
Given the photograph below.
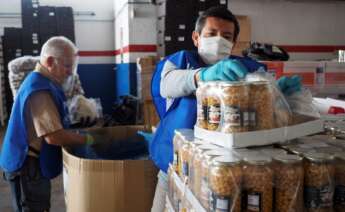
(234, 106)
(201, 99)
(258, 183)
(181, 135)
(204, 191)
(271, 152)
(225, 181)
(288, 183)
(319, 182)
(261, 106)
(339, 193)
(183, 159)
(196, 165)
(177, 140)
(213, 106)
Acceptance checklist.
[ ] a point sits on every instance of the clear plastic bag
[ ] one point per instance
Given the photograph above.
(281, 109)
(81, 107)
(302, 103)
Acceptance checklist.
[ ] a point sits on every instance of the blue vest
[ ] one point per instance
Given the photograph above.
(182, 112)
(15, 146)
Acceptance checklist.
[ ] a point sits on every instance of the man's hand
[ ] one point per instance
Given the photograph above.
(289, 85)
(225, 70)
(84, 122)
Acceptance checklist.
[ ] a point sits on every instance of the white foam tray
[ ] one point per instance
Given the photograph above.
(262, 137)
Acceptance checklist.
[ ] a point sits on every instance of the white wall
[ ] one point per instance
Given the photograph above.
(277, 21)
(295, 22)
(93, 33)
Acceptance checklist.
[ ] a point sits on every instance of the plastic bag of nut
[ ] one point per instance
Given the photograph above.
(257, 184)
(319, 171)
(288, 183)
(225, 181)
(339, 193)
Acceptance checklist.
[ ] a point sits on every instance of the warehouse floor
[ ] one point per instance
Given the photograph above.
(57, 201)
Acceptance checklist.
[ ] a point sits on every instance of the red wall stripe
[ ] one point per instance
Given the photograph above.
(153, 48)
(311, 48)
(126, 49)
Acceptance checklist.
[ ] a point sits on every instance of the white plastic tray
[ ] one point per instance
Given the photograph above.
(262, 137)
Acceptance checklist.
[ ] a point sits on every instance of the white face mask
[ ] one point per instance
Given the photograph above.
(214, 49)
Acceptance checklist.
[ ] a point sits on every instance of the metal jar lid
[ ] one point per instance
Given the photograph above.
(226, 160)
(257, 159)
(318, 157)
(340, 156)
(217, 152)
(232, 84)
(288, 159)
(273, 151)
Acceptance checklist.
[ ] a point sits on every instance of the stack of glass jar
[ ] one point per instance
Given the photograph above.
(260, 179)
(232, 107)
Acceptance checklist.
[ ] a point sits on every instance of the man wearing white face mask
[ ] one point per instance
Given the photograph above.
(175, 81)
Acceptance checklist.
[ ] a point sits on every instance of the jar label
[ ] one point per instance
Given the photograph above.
(252, 118)
(214, 114)
(318, 197)
(245, 118)
(254, 201)
(204, 191)
(175, 159)
(202, 113)
(339, 195)
(232, 116)
(220, 203)
(185, 168)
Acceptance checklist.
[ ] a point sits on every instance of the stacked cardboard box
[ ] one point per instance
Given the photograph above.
(151, 118)
(243, 40)
(145, 68)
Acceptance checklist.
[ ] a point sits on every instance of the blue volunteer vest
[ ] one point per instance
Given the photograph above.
(15, 146)
(182, 112)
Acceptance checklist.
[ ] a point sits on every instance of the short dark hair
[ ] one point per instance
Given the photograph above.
(217, 12)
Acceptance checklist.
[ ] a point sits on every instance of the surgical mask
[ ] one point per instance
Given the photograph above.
(214, 49)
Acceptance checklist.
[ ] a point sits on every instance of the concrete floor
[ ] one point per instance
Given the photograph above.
(57, 200)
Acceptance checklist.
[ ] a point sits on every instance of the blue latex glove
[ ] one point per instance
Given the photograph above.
(147, 136)
(289, 85)
(225, 70)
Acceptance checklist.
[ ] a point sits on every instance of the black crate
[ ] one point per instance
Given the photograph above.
(12, 38)
(30, 19)
(29, 5)
(47, 15)
(180, 8)
(65, 22)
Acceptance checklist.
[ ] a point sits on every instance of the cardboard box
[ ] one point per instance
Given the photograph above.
(245, 28)
(147, 64)
(151, 118)
(239, 47)
(109, 185)
(146, 86)
(302, 127)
